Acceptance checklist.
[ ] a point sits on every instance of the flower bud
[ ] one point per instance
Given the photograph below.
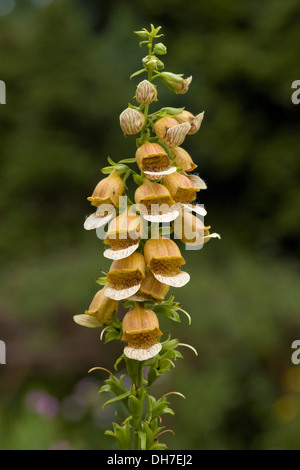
(180, 188)
(152, 289)
(163, 258)
(141, 330)
(131, 121)
(153, 160)
(108, 190)
(150, 62)
(125, 277)
(189, 229)
(100, 311)
(182, 87)
(160, 49)
(183, 159)
(195, 121)
(145, 93)
(170, 132)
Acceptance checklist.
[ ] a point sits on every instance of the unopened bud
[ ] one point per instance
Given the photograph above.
(182, 87)
(160, 49)
(131, 121)
(146, 92)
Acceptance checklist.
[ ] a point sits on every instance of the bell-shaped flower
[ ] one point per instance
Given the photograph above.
(124, 234)
(140, 331)
(195, 121)
(164, 259)
(183, 159)
(153, 160)
(180, 188)
(99, 313)
(151, 289)
(125, 277)
(108, 190)
(170, 132)
(191, 230)
(131, 121)
(155, 203)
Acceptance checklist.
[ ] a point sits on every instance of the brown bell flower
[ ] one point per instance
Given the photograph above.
(151, 289)
(183, 159)
(180, 188)
(131, 121)
(108, 190)
(125, 277)
(140, 331)
(164, 259)
(124, 234)
(154, 201)
(153, 160)
(170, 132)
(146, 93)
(99, 313)
(195, 121)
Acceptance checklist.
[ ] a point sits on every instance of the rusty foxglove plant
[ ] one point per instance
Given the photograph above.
(146, 262)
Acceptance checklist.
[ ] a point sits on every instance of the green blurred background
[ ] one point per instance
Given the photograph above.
(66, 65)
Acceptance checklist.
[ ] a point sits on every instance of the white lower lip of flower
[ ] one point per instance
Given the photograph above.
(152, 175)
(95, 221)
(167, 217)
(142, 354)
(197, 182)
(87, 321)
(179, 280)
(120, 254)
(212, 235)
(121, 294)
(198, 209)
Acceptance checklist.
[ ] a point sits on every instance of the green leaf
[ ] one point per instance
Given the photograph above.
(135, 74)
(107, 169)
(143, 440)
(158, 446)
(122, 434)
(118, 398)
(172, 111)
(101, 281)
(138, 179)
(128, 160)
(114, 385)
(118, 361)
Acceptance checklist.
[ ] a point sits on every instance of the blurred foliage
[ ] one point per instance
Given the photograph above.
(66, 65)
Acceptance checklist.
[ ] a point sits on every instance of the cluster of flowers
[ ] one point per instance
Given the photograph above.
(143, 271)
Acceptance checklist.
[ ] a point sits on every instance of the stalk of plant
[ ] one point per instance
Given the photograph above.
(146, 262)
